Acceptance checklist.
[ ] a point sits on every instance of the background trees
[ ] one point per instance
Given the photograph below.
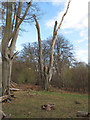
(68, 74)
(49, 59)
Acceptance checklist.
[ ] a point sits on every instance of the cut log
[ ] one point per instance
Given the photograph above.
(13, 84)
(82, 114)
(48, 107)
(14, 89)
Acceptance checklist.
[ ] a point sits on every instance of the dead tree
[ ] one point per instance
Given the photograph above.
(48, 73)
(40, 51)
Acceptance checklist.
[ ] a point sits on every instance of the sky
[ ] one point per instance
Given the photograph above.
(74, 27)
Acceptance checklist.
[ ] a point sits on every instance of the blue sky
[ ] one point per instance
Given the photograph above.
(74, 26)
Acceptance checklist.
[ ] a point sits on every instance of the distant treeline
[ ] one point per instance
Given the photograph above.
(68, 74)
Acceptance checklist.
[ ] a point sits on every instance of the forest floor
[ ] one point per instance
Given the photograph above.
(27, 104)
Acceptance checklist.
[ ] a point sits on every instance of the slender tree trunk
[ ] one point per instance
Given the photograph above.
(46, 79)
(40, 52)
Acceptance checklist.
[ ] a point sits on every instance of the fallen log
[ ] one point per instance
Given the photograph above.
(6, 98)
(48, 107)
(2, 114)
(14, 89)
(13, 84)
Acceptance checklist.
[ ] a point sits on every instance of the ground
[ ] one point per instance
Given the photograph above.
(27, 104)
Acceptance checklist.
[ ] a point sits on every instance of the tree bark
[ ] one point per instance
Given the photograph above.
(9, 76)
(40, 50)
(4, 75)
(10, 37)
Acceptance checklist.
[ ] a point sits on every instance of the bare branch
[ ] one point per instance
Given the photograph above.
(17, 26)
(37, 26)
(14, 55)
(29, 4)
(55, 28)
(64, 15)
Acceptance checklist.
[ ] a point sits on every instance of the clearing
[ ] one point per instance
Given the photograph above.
(27, 104)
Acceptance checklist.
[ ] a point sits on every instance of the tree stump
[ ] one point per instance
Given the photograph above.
(48, 107)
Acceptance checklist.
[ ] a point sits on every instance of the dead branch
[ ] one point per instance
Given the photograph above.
(55, 33)
(64, 15)
(55, 26)
(14, 55)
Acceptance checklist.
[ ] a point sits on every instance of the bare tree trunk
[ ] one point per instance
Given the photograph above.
(46, 78)
(40, 51)
(51, 52)
(9, 76)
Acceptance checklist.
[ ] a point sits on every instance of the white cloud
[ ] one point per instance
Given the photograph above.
(84, 34)
(76, 19)
(57, 2)
(77, 16)
(79, 41)
(82, 55)
(50, 23)
(67, 32)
